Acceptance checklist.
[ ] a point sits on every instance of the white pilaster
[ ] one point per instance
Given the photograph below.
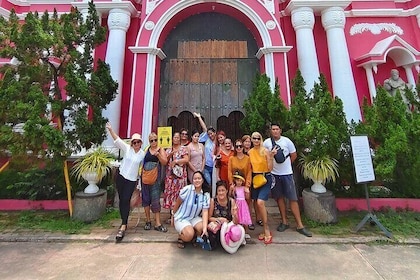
(371, 82)
(303, 21)
(410, 77)
(333, 21)
(118, 23)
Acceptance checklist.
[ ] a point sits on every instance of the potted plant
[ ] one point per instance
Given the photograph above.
(92, 167)
(319, 170)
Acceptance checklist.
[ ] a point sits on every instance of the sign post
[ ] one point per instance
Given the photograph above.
(364, 173)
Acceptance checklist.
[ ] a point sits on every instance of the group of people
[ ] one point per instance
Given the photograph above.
(211, 184)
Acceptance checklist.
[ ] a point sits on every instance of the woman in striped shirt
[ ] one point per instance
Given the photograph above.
(192, 210)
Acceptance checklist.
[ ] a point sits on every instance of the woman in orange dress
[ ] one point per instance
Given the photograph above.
(225, 154)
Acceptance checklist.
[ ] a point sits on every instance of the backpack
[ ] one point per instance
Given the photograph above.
(279, 157)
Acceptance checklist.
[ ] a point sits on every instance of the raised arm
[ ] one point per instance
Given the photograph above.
(200, 120)
(111, 131)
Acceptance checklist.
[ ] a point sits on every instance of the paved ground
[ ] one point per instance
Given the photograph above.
(93, 260)
(154, 255)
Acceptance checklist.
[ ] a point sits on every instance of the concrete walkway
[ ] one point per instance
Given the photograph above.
(137, 234)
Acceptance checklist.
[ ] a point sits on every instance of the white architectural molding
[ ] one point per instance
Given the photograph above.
(382, 46)
(151, 5)
(269, 5)
(376, 28)
(272, 49)
(376, 13)
(105, 7)
(315, 5)
(149, 50)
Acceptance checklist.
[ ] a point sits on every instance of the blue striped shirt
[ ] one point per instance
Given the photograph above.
(192, 203)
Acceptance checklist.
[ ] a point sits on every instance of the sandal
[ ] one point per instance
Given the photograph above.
(120, 235)
(181, 244)
(161, 228)
(268, 239)
(260, 222)
(194, 242)
(261, 236)
(148, 226)
(251, 227)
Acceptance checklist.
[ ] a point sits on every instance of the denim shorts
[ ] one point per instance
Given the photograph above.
(284, 187)
(263, 192)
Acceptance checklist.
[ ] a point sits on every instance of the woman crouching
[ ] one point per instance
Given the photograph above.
(192, 210)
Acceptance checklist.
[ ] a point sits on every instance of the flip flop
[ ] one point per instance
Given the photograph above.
(268, 239)
(261, 236)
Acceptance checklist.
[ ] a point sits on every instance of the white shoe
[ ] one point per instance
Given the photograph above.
(247, 236)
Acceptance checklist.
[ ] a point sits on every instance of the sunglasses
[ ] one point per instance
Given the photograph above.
(256, 138)
(184, 133)
(153, 140)
(238, 146)
(136, 142)
(196, 199)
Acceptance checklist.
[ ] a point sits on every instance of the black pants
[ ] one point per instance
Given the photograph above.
(125, 190)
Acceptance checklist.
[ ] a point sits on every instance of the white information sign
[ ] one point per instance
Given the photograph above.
(362, 159)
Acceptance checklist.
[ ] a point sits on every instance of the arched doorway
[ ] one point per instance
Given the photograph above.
(209, 69)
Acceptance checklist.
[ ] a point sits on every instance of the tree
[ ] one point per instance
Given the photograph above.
(263, 107)
(52, 96)
(318, 125)
(394, 136)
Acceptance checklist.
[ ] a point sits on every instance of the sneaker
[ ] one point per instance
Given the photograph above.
(247, 236)
(282, 227)
(304, 231)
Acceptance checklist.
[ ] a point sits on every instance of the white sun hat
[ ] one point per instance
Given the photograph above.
(231, 237)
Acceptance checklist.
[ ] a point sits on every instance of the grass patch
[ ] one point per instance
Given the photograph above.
(400, 223)
(52, 221)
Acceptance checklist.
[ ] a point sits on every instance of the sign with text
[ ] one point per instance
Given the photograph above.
(164, 136)
(362, 159)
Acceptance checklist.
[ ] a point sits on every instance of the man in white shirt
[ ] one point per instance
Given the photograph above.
(284, 186)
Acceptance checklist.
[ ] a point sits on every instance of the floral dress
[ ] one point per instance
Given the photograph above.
(174, 184)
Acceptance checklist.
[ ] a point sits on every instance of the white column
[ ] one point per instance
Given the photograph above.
(410, 77)
(333, 21)
(303, 21)
(371, 81)
(118, 23)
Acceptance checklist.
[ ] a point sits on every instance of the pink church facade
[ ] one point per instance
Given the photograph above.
(355, 44)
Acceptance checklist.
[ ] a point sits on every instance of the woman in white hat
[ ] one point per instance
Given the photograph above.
(127, 175)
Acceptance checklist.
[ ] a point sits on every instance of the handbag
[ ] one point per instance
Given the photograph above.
(177, 170)
(258, 181)
(279, 157)
(150, 172)
(214, 227)
(135, 198)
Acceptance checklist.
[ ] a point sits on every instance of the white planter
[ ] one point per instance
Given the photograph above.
(92, 178)
(318, 187)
